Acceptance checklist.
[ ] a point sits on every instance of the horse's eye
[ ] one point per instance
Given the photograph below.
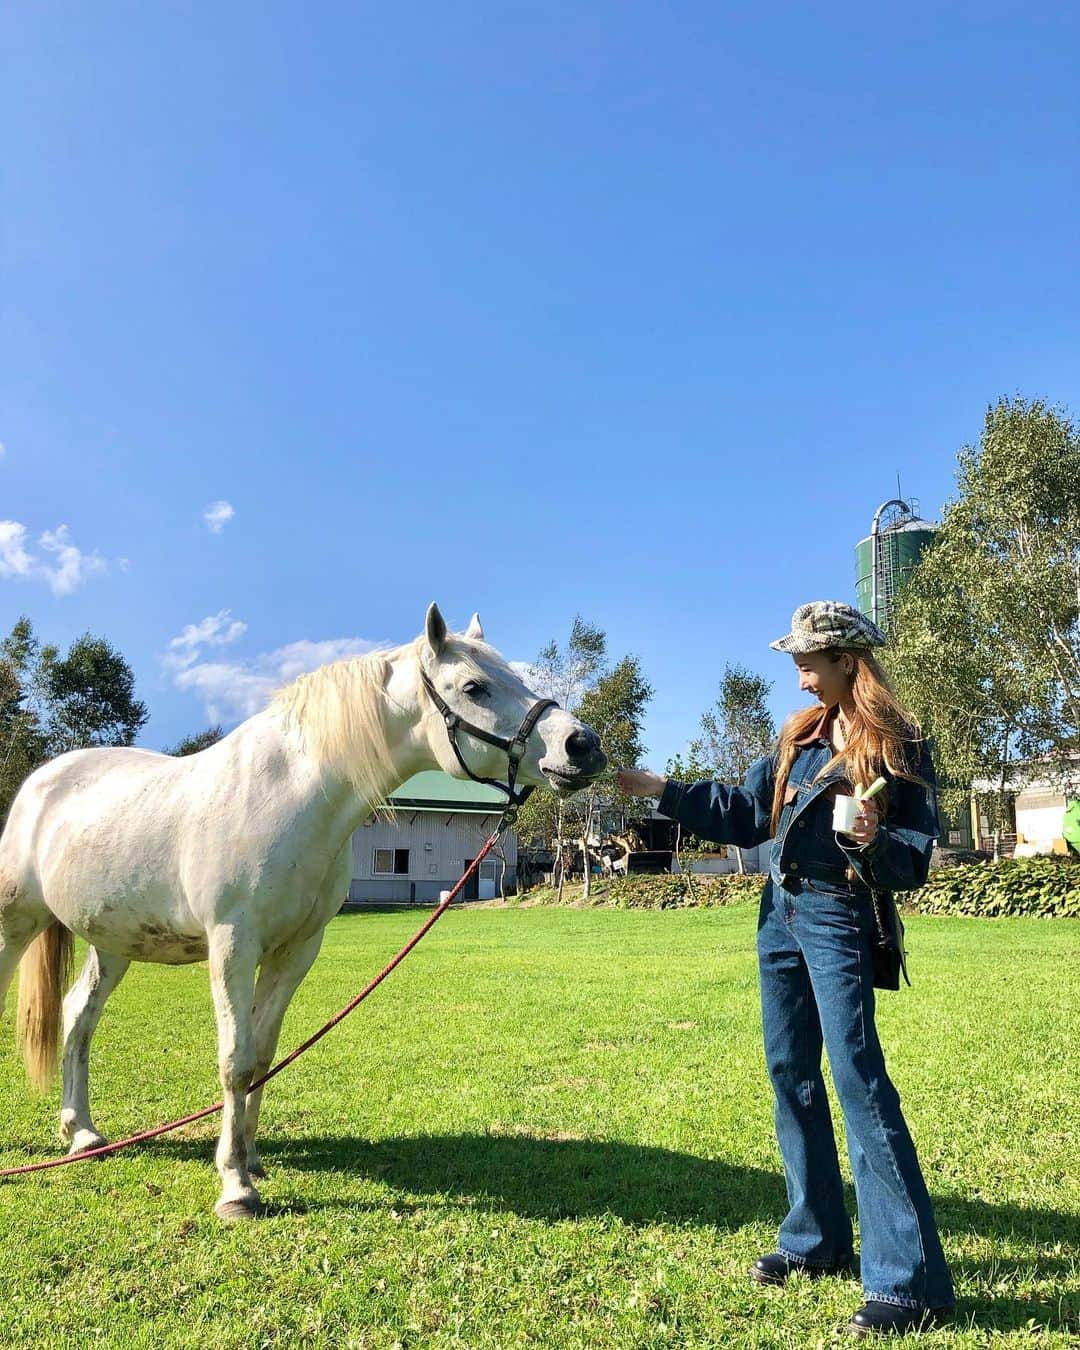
(474, 688)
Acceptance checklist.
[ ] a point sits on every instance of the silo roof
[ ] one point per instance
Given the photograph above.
(913, 524)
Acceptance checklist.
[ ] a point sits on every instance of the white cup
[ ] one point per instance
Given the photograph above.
(845, 811)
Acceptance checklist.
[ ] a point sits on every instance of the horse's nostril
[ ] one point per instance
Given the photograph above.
(581, 743)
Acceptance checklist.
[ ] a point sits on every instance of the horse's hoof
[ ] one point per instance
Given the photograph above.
(84, 1141)
(237, 1211)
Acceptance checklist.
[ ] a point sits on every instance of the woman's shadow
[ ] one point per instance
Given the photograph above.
(565, 1178)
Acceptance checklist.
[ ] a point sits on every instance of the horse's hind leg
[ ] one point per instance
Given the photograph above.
(82, 1009)
(21, 920)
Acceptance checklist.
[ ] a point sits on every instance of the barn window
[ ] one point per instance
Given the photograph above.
(391, 862)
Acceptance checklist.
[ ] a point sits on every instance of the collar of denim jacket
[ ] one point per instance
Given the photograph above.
(820, 730)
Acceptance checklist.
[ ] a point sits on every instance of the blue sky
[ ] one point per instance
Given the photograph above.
(630, 310)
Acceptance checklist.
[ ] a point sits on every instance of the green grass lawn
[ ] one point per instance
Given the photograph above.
(550, 1127)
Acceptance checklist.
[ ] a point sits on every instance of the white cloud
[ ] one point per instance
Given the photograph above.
(216, 630)
(14, 559)
(217, 515)
(71, 567)
(233, 690)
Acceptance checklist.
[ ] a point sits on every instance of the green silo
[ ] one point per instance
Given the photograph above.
(883, 562)
(886, 557)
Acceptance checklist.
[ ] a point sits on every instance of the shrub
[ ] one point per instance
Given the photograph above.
(662, 891)
(671, 892)
(1040, 887)
(1044, 888)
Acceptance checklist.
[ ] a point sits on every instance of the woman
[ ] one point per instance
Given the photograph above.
(814, 930)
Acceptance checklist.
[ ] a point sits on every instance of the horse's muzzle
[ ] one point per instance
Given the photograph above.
(588, 764)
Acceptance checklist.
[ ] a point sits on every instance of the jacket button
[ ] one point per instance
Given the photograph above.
(802, 824)
(793, 867)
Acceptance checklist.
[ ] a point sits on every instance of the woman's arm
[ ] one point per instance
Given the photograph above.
(897, 858)
(722, 812)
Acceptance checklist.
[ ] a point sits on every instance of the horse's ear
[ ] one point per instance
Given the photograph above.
(475, 629)
(435, 629)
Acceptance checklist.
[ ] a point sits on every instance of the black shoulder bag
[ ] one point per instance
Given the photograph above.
(887, 944)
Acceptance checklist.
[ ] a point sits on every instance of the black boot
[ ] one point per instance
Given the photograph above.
(775, 1268)
(887, 1319)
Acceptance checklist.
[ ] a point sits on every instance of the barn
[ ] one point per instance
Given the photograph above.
(438, 826)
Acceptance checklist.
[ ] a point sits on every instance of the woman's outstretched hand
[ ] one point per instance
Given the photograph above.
(640, 783)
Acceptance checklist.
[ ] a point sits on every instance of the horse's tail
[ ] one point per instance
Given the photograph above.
(44, 973)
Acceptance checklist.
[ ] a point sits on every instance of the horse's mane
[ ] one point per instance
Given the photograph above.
(337, 711)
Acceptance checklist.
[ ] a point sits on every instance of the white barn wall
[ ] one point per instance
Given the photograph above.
(431, 869)
(1039, 822)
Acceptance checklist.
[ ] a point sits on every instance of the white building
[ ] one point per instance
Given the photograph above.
(1039, 800)
(439, 825)
(1040, 819)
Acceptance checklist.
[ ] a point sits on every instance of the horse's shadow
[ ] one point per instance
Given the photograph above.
(551, 1178)
(538, 1178)
(557, 1179)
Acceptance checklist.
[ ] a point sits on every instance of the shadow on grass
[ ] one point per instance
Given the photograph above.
(553, 1178)
(557, 1179)
(536, 1178)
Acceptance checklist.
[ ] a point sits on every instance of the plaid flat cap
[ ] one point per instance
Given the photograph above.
(828, 623)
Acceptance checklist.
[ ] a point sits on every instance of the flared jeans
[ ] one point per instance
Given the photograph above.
(817, 989)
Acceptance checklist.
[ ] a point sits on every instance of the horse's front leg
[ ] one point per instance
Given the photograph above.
(233, 959)
(279, 978)
(82, 1009)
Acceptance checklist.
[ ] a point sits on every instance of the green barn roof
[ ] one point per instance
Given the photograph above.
(434, 789)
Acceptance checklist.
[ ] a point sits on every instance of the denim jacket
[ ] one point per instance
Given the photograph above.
(806, 849)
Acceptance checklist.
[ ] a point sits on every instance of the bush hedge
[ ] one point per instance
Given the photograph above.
(1046, 888)
(672, 892)
(662, 891)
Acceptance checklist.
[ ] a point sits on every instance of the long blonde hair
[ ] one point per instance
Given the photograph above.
(881, 737)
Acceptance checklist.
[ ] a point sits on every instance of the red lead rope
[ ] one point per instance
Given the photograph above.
(443, 906)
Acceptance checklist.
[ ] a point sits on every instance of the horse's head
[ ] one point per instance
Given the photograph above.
(474, 683)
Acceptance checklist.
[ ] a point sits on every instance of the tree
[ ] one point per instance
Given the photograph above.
(50, 704)
(688, 847)
(987, 640)
(737, 730)
(22, 738)
(202, 740)
(562, 673)
(90, 696)
(615, 709)
(613, 703)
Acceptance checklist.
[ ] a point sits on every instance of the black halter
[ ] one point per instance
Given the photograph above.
(515, 748)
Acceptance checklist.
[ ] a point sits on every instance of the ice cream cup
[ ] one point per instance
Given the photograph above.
(845, 813)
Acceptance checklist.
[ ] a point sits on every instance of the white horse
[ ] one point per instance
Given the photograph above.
(240, 855)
